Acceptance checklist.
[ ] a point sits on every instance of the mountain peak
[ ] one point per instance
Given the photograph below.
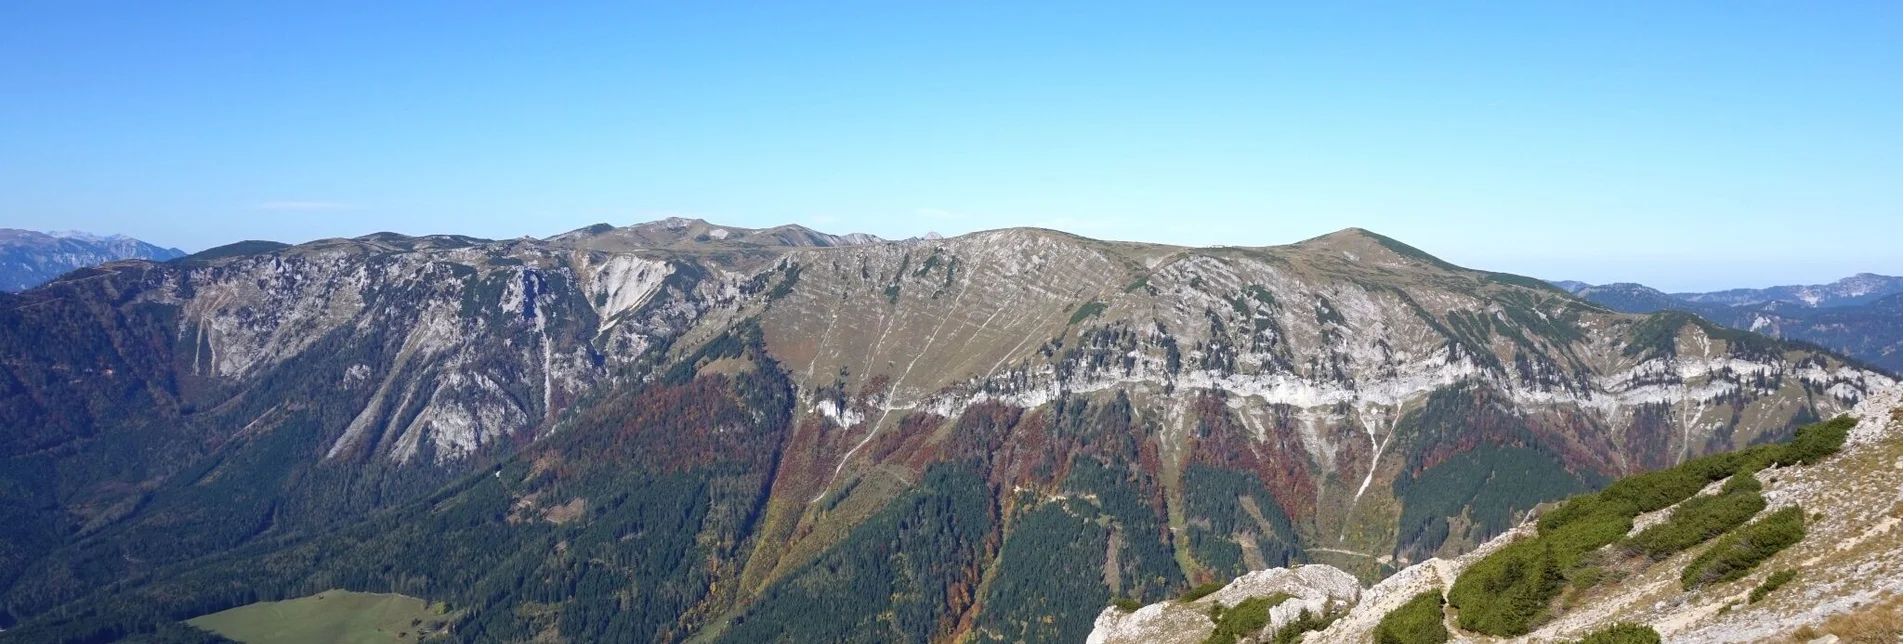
(1361, 245)
(31, 258)
(1351, 231)
(699, 235)
(1347, 236)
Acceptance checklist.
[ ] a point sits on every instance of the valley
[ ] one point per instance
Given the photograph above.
(680, 430)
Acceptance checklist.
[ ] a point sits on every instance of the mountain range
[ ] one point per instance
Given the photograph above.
(29, 258)
(1860, 316)
(680, 430)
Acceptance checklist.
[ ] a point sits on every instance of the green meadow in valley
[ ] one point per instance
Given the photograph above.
(330, 616)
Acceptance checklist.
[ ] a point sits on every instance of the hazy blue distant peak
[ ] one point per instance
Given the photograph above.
(1856, 289)
(30, 258)
(1850, 291)
(86, 236)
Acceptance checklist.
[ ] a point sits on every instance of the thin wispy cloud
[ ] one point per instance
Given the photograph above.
(307, 206)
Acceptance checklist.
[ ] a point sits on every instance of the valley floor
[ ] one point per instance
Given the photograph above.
(332, 616)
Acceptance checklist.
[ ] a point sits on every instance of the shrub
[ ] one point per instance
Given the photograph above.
(1200, 592)
(1510, 591)
(1588, 577)
(1572, 510)
(1735, 554)
(1416, 622)
(1772, 583)
(1659, 490)
(1306, 622)
(1741, 482)
(1701, 519)
(1127, 604)
(1635, 495)
(1813, 442)
(1244, 619)
(1623, 634)
(1572, 542)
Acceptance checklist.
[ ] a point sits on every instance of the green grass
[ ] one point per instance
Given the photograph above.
(339, 616)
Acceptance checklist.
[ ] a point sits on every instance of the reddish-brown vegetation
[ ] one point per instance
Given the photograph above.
(1279, 460)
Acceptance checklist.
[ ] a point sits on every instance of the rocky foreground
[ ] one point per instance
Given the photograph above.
(1849, 572)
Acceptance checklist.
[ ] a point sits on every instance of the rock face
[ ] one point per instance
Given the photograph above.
(1316, 589)
(1327, 368)
(29, 258)
(1138, 416)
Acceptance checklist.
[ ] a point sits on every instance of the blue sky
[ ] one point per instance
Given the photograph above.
(1687, 145)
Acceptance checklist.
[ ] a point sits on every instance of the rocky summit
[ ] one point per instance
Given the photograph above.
(684, 430)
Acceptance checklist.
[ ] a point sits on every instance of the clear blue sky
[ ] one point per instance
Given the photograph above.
(1683, 144)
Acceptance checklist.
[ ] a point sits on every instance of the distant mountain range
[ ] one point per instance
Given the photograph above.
(31, 258)
(681, 430)
(1860, 316)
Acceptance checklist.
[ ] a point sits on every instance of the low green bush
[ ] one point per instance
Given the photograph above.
(1127, 604)
(1623, 634)
(1814, 442)
(1587, 577)
(1419, 621)
(1700, 519)
(1244, 619)
(1735, 554)
(1200, 592)
(1742, 482)
(1771, 584)
(1574, 541)
(1306, 622)
(1510, 591)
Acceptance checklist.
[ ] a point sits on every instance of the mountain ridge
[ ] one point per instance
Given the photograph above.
(1866, 322)
(1171, 415)
(30, 258)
